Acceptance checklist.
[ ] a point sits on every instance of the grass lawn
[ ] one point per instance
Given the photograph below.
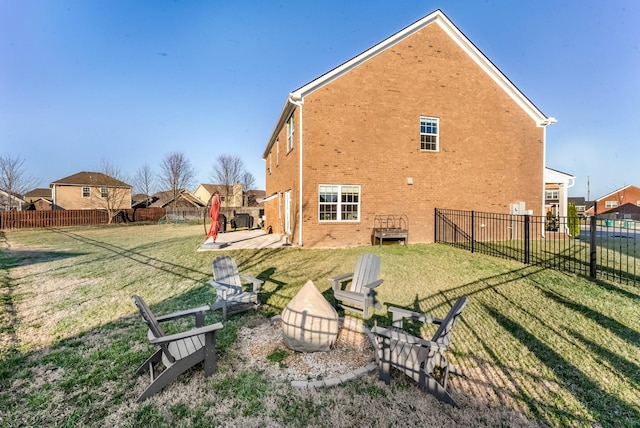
(537, 347)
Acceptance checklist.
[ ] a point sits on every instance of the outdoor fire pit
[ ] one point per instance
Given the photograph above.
(309, 322)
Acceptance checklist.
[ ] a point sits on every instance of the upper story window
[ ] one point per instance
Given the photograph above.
(611, 204)
(86, 192)
(290, 129)
(277, 151)
(338, 202)
(552, 194)
(429, 127)
(104, 192)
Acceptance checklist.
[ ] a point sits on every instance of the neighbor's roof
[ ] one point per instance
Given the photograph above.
(616, 191)
(438, 18)
(90, 179)
(38, 193)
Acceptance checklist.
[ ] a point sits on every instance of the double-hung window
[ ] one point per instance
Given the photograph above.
(611, 204)
(104, 192)
(86, 192)
(429, 127)
(290, 129)
(338, 202)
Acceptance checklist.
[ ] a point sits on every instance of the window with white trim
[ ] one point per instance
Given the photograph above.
(86, 192)
(611, 204)
(338, 202)
(429, 136)
(290, 129)
(104, 192)
(552, 194)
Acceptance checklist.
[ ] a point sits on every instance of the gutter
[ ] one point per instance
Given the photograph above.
(298, 101)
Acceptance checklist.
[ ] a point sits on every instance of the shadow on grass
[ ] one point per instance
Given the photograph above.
(605, 407)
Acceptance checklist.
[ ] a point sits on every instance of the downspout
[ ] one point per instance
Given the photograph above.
(298, 101)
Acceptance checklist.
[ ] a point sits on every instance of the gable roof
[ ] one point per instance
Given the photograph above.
(38, 193)
(438, 18)
(617, 191)
(90, 179)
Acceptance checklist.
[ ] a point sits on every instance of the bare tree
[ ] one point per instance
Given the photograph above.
(115, 194)
(227, 171)
(13, 179)
(144, 182)
(248, 181)
(176, 173)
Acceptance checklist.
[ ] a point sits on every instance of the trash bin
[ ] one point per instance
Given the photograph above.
(222, 219)
(243, 220)
(609, 222)
(628, 224)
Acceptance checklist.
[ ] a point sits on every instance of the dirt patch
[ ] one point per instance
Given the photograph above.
(261, 347)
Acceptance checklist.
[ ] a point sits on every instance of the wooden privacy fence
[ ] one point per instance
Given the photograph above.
(62, 218)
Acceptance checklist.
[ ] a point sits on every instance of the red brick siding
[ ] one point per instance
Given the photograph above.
(363, 128)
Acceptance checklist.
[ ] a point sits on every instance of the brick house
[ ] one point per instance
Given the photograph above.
(422, 120)
(90, 190)
(629, 194)
(556, 187)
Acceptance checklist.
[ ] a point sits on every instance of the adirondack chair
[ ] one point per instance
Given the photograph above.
(361, 295)
(416, 357)
(177, 352)
(231, 297)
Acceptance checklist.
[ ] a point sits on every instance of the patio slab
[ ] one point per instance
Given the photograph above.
(243, 239)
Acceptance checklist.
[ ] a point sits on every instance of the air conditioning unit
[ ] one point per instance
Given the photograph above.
(518, 208)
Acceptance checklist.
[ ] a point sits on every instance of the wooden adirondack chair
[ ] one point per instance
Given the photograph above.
(177, 352)
(361, 295)
(231, 297)
(416, 357)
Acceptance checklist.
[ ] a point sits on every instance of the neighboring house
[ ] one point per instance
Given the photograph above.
(556, 187)
(253, 198)
(230, 196)
(41, 204)
(35, 194)
(11, 202)
(184, 199)
(422, 120)
(626, 195)
(90, 190)
(581, 204)
(628, 211)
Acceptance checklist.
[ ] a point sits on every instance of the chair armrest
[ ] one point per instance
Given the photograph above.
(185, 334)
(403, 336)
(182, 314)
(257, 283)
(374, 284)
(221, 289)
(336, 279)
(398, 314)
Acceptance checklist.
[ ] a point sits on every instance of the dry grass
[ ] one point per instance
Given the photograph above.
(537, 347)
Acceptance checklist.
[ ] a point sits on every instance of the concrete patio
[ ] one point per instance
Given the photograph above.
(243, 239)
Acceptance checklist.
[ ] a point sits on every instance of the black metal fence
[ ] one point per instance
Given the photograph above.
(596, 247)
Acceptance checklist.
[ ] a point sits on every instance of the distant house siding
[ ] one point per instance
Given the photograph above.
(363, 129)
(70, 198)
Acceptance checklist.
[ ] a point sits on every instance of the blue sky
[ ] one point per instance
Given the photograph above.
(130, 81)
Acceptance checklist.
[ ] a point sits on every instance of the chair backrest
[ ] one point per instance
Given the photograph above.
(148, 316)
(225, 271)
(443, 334)
(366, 272)
(152, 323)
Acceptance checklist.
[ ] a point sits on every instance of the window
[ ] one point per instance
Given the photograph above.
(338, 202)
(104, 192)
(287, 211)
(552, 194)
(277, 151)
(86, 192)
(611, 204)
(429, 134)
(290, 129)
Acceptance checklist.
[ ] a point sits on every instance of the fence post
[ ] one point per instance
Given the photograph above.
(593, 249)
(527, 238)
(473, 232)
